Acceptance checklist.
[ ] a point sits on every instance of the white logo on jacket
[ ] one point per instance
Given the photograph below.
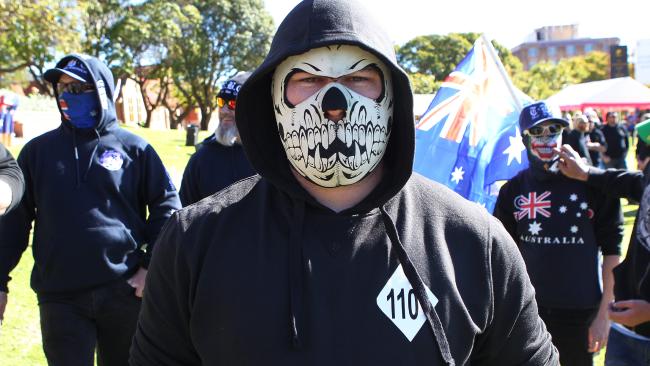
(111, 160)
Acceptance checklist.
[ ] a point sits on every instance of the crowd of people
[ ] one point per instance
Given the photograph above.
(301, 236)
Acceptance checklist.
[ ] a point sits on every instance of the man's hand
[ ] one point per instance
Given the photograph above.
(630, 312)
(137, 281)
(3, 305)
(571, 164)
(598, 333)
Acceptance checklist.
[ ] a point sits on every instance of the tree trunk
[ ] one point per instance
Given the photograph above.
(205, 118)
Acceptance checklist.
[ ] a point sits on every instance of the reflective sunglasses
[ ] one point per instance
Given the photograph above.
(552, 129)
(230, 102)
(74, 88)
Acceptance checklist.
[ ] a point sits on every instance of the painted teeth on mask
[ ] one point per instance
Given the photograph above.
(303, 144)
(348, 135)
(324, 136)
(310, 139)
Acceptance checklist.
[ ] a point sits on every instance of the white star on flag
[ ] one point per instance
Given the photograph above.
(578, 214)
(584, 205)
(535, 228)
(457, 174)
(574, 229)
(573, 197)
(562, 209)
(515, 148)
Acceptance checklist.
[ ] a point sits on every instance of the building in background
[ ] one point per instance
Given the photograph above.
(553, 43)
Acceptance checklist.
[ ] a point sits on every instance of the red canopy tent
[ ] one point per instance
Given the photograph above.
(616, 93)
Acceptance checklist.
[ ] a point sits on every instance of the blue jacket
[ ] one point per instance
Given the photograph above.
(212, 168)
(88, 192)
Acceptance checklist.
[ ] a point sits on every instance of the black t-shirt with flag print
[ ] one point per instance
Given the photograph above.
(559, 224)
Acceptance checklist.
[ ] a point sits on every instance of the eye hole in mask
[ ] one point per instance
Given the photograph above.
(551, 129)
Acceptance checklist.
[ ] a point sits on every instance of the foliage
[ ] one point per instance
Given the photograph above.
(423, 83)
(34, 33)
(434, 57)
(546, 78)
(220, 38)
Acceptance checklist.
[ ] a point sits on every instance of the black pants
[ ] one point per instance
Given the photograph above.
(73, 325)
(569, 329)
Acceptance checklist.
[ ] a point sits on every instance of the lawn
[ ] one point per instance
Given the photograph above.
(20, 337)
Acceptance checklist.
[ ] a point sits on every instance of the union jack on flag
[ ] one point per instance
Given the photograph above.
(469, 137)
(531, 205)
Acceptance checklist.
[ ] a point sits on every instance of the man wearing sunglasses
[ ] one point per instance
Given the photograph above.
(98, 196)
(560, 225)
(220, 159)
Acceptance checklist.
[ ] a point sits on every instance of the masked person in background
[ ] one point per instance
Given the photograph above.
(98, 196)
(336, 253)
(560, 226)
(220, 160)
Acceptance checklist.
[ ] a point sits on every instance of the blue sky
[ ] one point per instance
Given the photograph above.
(510, 21)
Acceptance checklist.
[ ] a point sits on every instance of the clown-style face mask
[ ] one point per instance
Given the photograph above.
(540, 142)
(334, 109)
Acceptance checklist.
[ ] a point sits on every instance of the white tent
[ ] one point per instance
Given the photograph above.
(605, 94)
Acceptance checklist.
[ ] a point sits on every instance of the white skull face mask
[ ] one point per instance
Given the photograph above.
(328, 153)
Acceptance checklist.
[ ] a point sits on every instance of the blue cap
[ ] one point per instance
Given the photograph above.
(74, 68)
(539, 112)
(229, 90)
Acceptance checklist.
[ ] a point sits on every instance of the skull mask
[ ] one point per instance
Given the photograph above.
(329, 153)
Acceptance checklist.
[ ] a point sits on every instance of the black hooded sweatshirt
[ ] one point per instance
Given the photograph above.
(632, 276)
(88, 192)
(10, 173)
(212, 168)
(262, 274)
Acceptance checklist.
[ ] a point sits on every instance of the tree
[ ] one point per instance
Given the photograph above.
(139, 42)
(546, 78)
(219, 38)
(423, 83)
(434, 57)
(32, 33)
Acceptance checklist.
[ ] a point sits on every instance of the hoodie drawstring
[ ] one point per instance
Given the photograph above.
(419, 288)
(296, 274)
(76, 156)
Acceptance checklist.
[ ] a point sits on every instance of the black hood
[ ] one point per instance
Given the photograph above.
(104, 84)
(312, 24)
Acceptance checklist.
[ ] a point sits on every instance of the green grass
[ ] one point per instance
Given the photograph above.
(20, 336)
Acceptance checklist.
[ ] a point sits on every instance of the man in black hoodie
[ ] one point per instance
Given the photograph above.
(12, 183)
(560, 226)
(220, 160)
(89, 186)
(629, 338)
(346, 257)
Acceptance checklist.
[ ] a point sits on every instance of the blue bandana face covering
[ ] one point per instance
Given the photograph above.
(82, 110)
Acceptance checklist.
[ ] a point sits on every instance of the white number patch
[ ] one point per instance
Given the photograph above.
(398, 301)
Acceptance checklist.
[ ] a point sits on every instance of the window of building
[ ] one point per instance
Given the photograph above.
(532, 52)
(570, 50)
(589, 47)
(551, 51)
(531, 64)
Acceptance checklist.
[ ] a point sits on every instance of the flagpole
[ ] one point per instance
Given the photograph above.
(502, 71)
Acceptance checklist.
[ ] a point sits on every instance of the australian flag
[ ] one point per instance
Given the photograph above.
(469, 137)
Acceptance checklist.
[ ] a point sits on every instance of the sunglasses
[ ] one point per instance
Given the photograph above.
(230, 102)
(552, 129)
(74, 88)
